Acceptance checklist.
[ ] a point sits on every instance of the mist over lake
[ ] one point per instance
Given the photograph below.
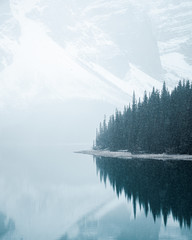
(104, 75)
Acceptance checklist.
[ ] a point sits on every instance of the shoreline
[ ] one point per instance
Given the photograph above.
(128, 155)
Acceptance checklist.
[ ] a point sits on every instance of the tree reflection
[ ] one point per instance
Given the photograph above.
(161, 187)
(6, 225)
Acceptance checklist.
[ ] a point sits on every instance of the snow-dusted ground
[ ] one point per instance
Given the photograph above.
(128, 155)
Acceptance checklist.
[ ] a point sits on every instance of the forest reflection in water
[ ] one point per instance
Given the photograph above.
(7, 225)
(160, 187)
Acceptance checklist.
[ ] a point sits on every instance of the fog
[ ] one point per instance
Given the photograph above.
(64, 64)
(71, 52)
(54, 123)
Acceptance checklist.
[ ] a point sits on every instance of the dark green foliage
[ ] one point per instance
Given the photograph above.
(160, 123)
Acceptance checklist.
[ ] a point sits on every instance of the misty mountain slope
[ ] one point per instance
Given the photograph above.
(43, 69)
(174, 28)
(9, 34)
(135, 80)
(176, 66)
(52, 99)
(105, 32)
(50, 71)
(138, 81)
(173, 20)
(58, 52)
(113, 36)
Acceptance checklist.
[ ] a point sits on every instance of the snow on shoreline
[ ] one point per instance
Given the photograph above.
(128, 155)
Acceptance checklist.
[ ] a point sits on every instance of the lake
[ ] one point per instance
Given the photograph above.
(51, 193)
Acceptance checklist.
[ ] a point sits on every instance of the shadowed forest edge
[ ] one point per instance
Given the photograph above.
(161, 123)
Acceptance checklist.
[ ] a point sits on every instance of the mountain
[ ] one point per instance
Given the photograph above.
(43, 40)
(172, 22)
(57, 52)
(114, 34)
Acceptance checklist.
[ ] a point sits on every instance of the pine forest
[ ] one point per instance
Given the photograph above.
(160, 123)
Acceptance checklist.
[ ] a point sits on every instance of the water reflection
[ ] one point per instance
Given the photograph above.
(50, 193)
(161, 187)
(46, 189)
(113, 221)
(7, 226)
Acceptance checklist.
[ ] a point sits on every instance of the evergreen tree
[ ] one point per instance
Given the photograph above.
(162, 122)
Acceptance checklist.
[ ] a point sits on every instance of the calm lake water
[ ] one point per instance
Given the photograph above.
(50, 193)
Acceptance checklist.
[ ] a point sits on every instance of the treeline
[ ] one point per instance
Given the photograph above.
(162, 122)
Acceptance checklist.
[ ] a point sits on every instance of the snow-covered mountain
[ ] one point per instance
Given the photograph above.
(114, 34)
(172, 22)
(56, 56)
(94, 49)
